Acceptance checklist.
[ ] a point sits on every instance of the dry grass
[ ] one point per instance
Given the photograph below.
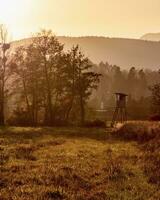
(147, 134)
(140, 131)
(73, 164)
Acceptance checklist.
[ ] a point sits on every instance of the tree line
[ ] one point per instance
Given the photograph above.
(41, 84)
(141, 86)
(44, 84)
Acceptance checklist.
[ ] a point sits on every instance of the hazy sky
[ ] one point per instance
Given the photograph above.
(113, 18)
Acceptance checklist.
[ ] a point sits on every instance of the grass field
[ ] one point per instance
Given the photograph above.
(76, 164)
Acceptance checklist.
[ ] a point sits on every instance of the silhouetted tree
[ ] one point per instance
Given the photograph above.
(52, 83)
(118, 80)
(132, 82)
(156, 98)
(3, 71)
(28, 78)
(142, 84)
(49, 50)
(86, 81)
(80, 80)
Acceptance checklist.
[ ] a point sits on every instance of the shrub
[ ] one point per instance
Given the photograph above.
(96, 123)
(155, 118)
(19, 118)
(60, 123)
(139, 131)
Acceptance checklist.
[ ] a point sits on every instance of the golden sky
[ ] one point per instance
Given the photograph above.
(113, 18)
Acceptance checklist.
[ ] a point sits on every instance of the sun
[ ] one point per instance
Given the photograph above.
(13, 14)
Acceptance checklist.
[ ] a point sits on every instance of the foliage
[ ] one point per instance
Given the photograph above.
(139, 131)
(95, 123)
(52, 83)
(20, 117)
(134, 82)
(155, 118)
(156, 98)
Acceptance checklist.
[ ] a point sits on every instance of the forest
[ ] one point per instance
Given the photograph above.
(137, 83)
(42, 84)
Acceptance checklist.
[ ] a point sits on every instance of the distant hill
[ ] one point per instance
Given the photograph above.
(151, 37)
(123, 52)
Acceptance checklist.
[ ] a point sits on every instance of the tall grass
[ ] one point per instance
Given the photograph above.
(75, 164)
(148, 135)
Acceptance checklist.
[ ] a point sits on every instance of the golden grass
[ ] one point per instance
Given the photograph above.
(73, 164)
(147, 134)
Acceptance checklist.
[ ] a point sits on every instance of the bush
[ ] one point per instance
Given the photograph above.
(155, 118)
(60, 123)
(139, 131)
(95, 123)
(19, 118)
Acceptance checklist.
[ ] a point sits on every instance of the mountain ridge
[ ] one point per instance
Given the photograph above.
(124, 52)
(151, 37)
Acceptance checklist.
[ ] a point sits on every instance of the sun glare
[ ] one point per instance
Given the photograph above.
(13, 14)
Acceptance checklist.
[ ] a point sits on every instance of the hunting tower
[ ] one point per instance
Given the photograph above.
(120, 113)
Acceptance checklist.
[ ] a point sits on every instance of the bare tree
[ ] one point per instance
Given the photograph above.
(3, 70)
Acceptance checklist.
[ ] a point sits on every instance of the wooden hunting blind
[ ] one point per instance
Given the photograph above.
(120, 113)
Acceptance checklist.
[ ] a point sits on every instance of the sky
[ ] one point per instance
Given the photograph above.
(110, 18)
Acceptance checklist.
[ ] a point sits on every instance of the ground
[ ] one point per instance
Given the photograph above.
(73, 164)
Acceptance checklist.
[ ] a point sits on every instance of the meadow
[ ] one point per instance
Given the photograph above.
(80, 163)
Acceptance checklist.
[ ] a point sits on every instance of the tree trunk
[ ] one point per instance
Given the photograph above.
(82, 110)
(27, 101)
(2, 120)
(49, 96)
(73, 93)
(69, 109)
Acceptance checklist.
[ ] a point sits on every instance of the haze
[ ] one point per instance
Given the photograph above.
(112, 18)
